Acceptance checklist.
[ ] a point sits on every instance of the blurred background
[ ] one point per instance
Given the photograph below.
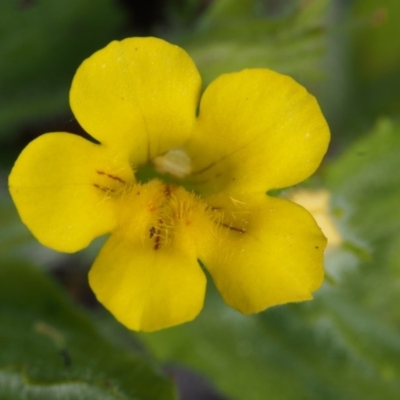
(57, 343)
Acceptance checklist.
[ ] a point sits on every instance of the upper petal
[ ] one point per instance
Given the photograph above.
(62, 186)
(269, 252)
(257, 130)
(147, 288)
(138, 95)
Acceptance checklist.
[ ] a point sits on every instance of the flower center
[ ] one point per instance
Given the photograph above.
(161, 214)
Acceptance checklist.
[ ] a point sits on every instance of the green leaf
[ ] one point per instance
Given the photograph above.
(233, 35)
(51, 350)
(222, 9)
(376, 55)
(42, 44)
(366, 184)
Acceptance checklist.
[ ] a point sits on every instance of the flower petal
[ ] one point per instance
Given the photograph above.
(139, 95)
(257, 130)
(62, 186)
(270, 252)
(147, 289)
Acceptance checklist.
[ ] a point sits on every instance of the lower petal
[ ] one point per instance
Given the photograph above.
(147, 289)
(270, 252)
(62, 186)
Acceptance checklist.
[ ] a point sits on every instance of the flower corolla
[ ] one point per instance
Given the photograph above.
(214, 160)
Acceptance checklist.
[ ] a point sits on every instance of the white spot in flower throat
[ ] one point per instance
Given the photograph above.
(174, 162)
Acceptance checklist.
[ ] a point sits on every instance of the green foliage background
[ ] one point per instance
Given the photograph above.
(57, 343)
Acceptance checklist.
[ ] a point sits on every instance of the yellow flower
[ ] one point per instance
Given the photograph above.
(253, 131)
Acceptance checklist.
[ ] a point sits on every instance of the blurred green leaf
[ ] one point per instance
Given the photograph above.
(223, 9)
(51, 350)
(376, 52)
(42, 44)
(233, 35)
(366, 184)
(376, 55)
